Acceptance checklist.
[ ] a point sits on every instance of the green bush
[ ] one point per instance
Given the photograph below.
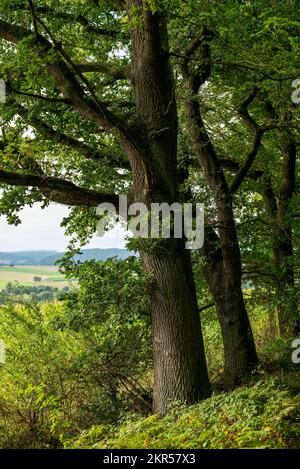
(79, 373)
(77, 363)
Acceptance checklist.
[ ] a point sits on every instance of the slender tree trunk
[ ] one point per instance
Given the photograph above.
(283, 259)
(239, 350)
(282, 240)
(239, 346)
(288, 315)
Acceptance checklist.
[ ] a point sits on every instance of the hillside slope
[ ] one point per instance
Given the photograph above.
(24, 257)
(265, 415)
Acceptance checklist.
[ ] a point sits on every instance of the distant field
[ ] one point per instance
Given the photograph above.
(24, 275)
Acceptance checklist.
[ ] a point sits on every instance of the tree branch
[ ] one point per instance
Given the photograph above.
(36, 96)
(203, 308)
(244, 112)
(234, 166)
(269, 198)
(59, 190)
(259, 131)
(65, 78)
(202, 145)
(200, 139)
(80, 19)
(203, 70)
(118, 72)
(51, 134)
(245, 167)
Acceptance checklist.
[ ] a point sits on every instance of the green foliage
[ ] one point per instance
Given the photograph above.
(78, 374)
(85, 363)
(115, 287)
(72, 365)
(266, 415)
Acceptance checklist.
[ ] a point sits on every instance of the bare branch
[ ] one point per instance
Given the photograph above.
(33, 16)
(36, 96)
(245, 167)
(203, 308)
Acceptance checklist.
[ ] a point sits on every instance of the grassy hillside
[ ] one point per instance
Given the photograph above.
(265, 415)
(48, 374)
(24, 275)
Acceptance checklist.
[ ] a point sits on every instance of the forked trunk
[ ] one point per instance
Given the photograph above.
(224, 277)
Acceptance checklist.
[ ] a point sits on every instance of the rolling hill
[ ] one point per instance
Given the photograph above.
(89, 254)
(24, 257)
(47, 258)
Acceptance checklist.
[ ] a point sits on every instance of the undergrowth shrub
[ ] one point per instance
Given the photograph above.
(266, 415)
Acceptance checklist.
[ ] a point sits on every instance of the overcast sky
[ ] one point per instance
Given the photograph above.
(40, 229)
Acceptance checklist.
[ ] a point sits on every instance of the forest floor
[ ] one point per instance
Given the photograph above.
(264, 413)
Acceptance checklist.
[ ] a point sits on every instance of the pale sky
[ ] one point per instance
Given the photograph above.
(40, 229)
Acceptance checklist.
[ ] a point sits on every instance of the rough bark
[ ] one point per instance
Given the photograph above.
(59, 190)
(180, 372)
(279, 210)
(239, 346)
(150, 144)
(239, 352)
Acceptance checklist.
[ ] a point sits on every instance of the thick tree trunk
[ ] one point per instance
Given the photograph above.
(239, 349)
(180, 372)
